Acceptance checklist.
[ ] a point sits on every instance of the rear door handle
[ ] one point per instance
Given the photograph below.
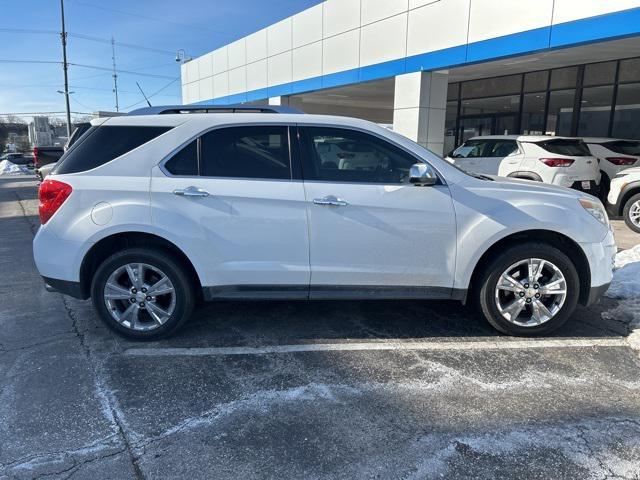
(191, 192)
(330, 200)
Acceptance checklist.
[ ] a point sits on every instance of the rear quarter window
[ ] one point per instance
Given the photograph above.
(100, 145)
(572, 148)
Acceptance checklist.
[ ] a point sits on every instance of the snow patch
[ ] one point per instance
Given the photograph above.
(8, 168)
(625, 286)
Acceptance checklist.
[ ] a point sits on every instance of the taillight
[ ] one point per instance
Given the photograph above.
(620, 161)
(35, 157)
(557, 162)
(52, 195)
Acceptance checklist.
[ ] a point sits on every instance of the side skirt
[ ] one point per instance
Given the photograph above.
(330, 292)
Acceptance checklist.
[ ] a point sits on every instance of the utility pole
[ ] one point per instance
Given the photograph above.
(65, 66)
(115, 75)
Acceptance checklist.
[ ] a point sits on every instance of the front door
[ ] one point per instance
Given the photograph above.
(240, 213)
(368, 226)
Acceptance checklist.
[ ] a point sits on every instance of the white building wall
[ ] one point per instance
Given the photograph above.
(347, 37)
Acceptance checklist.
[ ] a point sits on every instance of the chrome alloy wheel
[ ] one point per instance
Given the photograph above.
(530, 292)
(139, 296)
(634, 213)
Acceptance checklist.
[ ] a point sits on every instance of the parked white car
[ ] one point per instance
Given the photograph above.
(615, 155)
(43, 171)
(241, 206)
(624, 197)
(558, 160)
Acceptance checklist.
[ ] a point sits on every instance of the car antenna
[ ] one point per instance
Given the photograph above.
(145, 97)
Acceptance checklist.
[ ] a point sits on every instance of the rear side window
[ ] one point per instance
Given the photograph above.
(246, 152)
(624, 147)
(185, 162)
(573, 148)
(100, 145)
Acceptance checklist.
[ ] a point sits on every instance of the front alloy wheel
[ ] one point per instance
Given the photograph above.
(530, 292)
(631, 213)
(528, 289)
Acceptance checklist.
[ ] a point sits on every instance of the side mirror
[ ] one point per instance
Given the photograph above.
(422, 175)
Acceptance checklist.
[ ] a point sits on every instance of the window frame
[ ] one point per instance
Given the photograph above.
(305, 146)
(294, 160)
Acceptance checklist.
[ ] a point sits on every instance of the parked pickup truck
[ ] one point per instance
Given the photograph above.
(45, 155)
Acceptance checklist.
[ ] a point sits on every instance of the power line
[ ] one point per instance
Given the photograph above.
(30, 61)
(154, 19)
(83, 105)
(43, 113)
(130, 72)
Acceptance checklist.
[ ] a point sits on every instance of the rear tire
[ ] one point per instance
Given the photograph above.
(537, 295)
(631, 213)
(142, 293)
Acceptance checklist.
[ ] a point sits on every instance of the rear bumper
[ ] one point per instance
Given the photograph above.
(593, 189)
(73, 289)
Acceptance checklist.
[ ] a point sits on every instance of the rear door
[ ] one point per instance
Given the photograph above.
(230, 196)
(501, 157)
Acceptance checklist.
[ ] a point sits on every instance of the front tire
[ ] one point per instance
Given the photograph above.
(142, 293)
(631, 213)
(528, 290)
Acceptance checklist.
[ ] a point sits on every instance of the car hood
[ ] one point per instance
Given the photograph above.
(530, 186)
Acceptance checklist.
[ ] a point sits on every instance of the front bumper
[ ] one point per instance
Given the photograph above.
(601, 256)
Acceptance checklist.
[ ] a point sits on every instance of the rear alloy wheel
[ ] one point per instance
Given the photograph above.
(142, 293)
(631, 213)
(529, 290)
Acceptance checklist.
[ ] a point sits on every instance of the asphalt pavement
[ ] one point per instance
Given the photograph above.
(332, 390)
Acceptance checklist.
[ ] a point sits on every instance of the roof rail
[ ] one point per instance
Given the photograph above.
(238, 108)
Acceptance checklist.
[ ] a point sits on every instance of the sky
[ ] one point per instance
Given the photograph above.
(156, 29)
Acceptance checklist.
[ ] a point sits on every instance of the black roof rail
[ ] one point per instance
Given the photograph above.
(238, 108)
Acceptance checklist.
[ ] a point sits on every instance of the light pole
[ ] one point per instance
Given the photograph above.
(65, 66)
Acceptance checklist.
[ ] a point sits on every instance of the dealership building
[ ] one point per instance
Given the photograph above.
(442, 71)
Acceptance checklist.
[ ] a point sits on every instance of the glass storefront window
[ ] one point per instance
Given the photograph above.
(560, 112)
(533, 113)
(452, 91)
(595, 111)
(626, 119)
(630, 70)
(599, 73)
(489, 87)
(564, 77)
(536, 81)
(479, 106)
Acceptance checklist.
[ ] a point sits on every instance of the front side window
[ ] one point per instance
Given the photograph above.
(502, 148)
(102, 144)
(341, 155)
(470, 149)
(246, 152)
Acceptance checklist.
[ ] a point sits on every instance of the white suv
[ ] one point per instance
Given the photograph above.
(615, 155)
(145, 214)
(624, 197)
(558, 160)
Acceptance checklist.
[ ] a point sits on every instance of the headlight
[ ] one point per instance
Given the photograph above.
(596, 209)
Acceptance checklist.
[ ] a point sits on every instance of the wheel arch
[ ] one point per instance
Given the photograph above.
(565, 244)
(629, 191)
(106, 246)
(525, 175)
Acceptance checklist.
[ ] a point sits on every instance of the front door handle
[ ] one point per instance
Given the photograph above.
(191, 192)
(330, 200)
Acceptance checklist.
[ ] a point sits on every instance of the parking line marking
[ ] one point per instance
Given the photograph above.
(376, 346)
